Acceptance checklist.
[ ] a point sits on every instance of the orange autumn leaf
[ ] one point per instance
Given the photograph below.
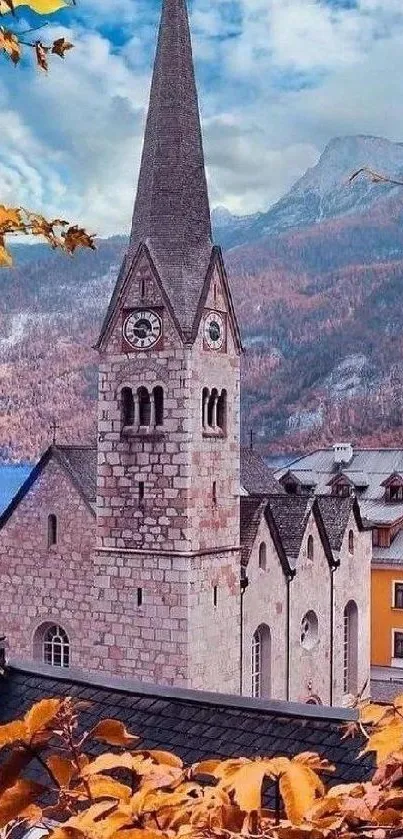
(76, 237)
(10, 44)
(113, 732)
(62, 769)
(299, 788)
(35, 722)
(386, 740)
(16, 799)
(61, 46)
(41, 55)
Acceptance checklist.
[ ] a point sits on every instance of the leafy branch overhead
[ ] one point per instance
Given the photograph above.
(134, 793)
(57, 232)
(13, 42)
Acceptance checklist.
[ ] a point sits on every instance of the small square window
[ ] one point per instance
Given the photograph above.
(398, 645)
(398, 596)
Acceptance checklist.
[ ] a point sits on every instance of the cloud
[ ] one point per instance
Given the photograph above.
(277, 80)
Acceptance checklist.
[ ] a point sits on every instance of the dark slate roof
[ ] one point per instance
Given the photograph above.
(335, 514)
(290, 513)
(171, 213)
(79, 462)
(256, 477)
(252, 509)
(195, 725)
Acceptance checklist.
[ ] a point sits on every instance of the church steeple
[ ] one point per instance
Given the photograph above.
(171, 212)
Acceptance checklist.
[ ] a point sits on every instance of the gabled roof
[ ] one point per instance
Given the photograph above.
(79, 463)
(336, 513)
(340, 478)
(290, 514)
(252, 510)
(194, 724)
(256, 477)
(394, 478)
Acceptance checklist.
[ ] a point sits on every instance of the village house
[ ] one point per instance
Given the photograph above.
(168, 554)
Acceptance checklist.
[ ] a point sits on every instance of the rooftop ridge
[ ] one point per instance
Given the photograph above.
(130, 686)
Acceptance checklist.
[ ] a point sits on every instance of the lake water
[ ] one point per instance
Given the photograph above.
(11, 478)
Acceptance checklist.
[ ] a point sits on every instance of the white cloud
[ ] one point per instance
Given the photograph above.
(71, 141)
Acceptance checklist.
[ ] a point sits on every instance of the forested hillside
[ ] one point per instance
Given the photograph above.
(319, 305)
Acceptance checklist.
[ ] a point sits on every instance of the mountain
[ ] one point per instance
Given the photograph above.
(317, 282)
(323, 192)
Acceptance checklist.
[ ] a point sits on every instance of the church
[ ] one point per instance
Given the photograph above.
(169, 554)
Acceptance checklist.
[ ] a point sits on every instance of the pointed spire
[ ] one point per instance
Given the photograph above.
(171, 213)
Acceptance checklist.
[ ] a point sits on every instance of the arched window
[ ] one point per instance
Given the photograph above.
(261, 662)
(351, 542)
(204, 407)
(212, 409)
(214, 494)
(309, 630)
(310, 548)
(222, 411)
(158, 395)
(52, 530)
(127, 406)
(56, 646)
(144, 406)
(350, 648)
(262, 556)
(142, 288)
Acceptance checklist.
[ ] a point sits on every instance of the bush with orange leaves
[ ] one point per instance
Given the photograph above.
(131, 793)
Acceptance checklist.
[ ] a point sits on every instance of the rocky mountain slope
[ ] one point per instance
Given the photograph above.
(317, 281)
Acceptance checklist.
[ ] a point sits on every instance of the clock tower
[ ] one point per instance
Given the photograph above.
(167, 561)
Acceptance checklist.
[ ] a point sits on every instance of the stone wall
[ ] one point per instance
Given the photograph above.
(41, 584)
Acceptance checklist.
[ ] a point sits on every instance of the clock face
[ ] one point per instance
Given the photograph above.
(214, 330)
(142, 329)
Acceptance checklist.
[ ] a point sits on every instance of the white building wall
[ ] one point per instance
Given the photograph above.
(265, 602)
(352, 581)
(310, 591)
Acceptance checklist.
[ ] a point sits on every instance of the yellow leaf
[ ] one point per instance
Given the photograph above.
(16, 799)
(373, 714)
(113, 732)
(386, 740)
(299, 788)
(101, 786)
(40, 715)
(107, 762)
(10, 217)
(165, 758)
(41, 7)
(12, 731)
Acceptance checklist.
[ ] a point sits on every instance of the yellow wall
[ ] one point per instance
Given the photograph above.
(384, 616)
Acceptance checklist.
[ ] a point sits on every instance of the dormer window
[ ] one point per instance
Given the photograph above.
(341, 486)
(393, 488)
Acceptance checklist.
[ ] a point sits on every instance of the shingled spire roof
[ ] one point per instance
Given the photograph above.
(171, 212)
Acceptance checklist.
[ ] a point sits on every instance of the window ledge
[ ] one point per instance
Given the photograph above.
(397, 608)
(397, 662)
(142, 431)
(211, 432)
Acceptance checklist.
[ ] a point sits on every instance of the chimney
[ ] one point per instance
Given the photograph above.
(343, 454)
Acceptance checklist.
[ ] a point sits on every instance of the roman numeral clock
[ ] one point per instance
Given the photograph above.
(141, 329)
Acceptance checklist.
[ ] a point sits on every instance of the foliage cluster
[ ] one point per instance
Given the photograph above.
(131, 793)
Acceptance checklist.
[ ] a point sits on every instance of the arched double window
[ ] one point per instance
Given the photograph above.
(261, 662)
(214, 411)
(52, 645)
(143, 408)
(350, 648)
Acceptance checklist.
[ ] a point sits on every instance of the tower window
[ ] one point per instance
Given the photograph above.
(144, 406)
(310, 548)
(212, 409)
(214, 493)
(52, 530)
(215, 595)
(141, 491)
(158, 395)
(127, 409)
(142, 288)
(205, 402)
(222, 410)
(139, 596)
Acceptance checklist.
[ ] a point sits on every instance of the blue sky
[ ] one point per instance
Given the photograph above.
(277, 80)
